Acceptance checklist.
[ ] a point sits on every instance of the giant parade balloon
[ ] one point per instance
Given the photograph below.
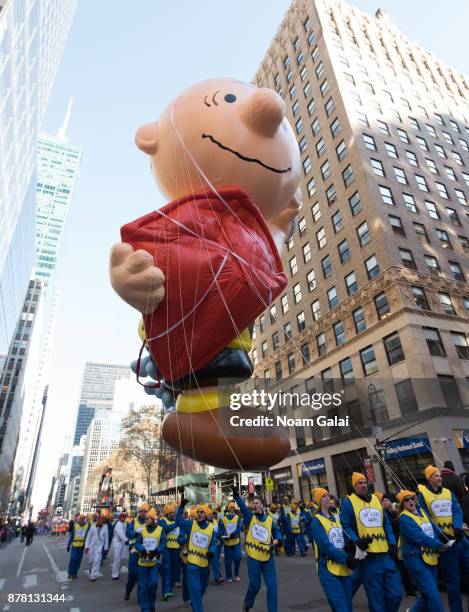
(204, 266)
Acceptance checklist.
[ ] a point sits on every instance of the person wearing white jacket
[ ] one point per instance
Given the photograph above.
(119, 547)
(97, 541)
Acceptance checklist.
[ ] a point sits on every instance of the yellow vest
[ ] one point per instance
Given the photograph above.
(369, 518)
(137, 529)
(230, 526)
(429, 555)
(150, 541)
(335, 535)
(439, 507)
(258, 538)
(79, 535)
(294, 522)
(199, 542)
(172, 536)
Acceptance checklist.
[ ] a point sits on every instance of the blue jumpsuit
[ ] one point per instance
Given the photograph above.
(197, 577)
(338, 589)
(256, 568)
(424, 576)
(377, 572)
(148, 576)
(76, 554)
(295, 538)
(171, 562)
(233, 552)
(289, 540)
(452, 560)
(131, 534)
(215, 562)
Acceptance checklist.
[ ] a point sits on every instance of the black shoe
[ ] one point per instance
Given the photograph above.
(127, 596)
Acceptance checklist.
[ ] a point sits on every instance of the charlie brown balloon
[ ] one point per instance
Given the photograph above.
(203, 267)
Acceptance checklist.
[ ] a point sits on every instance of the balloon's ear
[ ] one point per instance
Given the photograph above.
(146, 138)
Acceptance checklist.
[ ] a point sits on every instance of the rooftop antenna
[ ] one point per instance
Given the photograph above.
(61, 134)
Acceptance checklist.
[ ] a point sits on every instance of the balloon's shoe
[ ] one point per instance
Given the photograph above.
(205, 428)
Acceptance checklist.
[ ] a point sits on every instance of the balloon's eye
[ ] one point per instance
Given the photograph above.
(230, 98)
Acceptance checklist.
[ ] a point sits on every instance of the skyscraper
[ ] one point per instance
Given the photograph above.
(377, 303)
(32, 37)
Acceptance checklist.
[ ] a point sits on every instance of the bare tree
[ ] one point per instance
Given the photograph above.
(141, 441)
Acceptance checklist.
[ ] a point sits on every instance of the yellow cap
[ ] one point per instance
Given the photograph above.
(356, 476)
(152, 513)
(204, 508)
(379, 495)
(430, 470)
(318, 494)
(144, 506)
(168, 508)
(403, 494)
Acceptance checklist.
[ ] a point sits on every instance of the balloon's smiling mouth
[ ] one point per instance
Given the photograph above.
(244, 158)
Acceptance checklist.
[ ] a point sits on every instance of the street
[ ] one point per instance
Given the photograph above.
(42, 569)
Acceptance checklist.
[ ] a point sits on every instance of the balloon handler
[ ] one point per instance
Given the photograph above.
(203, 267)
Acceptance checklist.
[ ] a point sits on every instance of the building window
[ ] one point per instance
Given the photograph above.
(262, 323)
(461, 196)
(407, 259)
(393, 348)
(422, 143)
(316, 212)
(297, 293)
(456, 271)
(311, 280)
(400, 175)
(412, 158)
(414, 123)
(311, 107)
(307, 89)
(420, 298)
(346, 371)
(300, 320)
(381, 305)
(464, 242)
(307, 165)
(372, 267)
(439, 149)
(316, 310)
(369, 142)
(450, 173)
(368, 359)
(460, 344)
(284, 304)
(351, 283)
(406, 397)
(363, 234)
(287, 331)
(324, 88)
(421, 182)
(299, 125)
(421, 232)
(391, 150)
(341, 150)
(264, 348)
(432, 264)
(339, 332)
(320, 147)
(336, 128)
(293, 265)
(332, 297)
(306, 252)
(383, 127)
(434, 343)
(278, 371)
(295, 108)
(432, 210)
(344, 251)
(359, 320)
(321, 238)
(305, 355)
(315, 126)
(302, 144)
(446, 303)
(409, 202)
(387, 196)
(329, 106)
(396, 225)
(363, 120)
(355, 203)
(337, 221)
(275, 340)
(319, 70)
(302, 226)
(431, 166)
(444, 238)
(311, 186)
(403, 135)
(273, 313)
(321, 344)
(377, 166)
(331, 194)
(347, 175)
(326, 265)
(325, 170)
(291, 363)
(453, 215)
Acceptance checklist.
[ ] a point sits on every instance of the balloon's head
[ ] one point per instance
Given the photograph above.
(223, 132)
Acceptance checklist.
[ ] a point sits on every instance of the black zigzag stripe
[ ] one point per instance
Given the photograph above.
(196, 553)
(261, 548)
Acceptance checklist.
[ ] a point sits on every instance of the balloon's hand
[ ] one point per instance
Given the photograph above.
(135, 278)
(280, 227)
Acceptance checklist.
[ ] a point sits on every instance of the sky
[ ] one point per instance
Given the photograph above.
(122, 64)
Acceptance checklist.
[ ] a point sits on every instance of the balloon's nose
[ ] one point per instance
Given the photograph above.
(263, 111)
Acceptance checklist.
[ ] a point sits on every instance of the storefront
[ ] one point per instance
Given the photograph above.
(461, 440)
(311, 474)
(407, 459)
(344, 465)
(283, 482)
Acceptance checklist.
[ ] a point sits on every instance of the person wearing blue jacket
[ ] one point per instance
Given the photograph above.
(201, 548)
(76, 544)
(133, 529)
(419, 546)
(443, 509)
(261, 537)
(229, 532)
(333, 561)
(171, 555)
(150, 545)
(365, 523)
(293, 530)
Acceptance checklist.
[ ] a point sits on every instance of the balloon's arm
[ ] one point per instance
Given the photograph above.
(280, 227)
(135, 278)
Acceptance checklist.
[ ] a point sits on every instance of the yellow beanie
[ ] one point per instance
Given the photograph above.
(318, 494)
(356, 476)
(430, 470)
(152, 513)
(403, 494)
(168, 508)
(205, 508)
(144, 506)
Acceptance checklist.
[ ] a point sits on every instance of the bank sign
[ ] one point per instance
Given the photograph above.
(316, 466)
(404, 447)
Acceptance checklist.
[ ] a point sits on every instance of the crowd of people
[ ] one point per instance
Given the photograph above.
(384, 543)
